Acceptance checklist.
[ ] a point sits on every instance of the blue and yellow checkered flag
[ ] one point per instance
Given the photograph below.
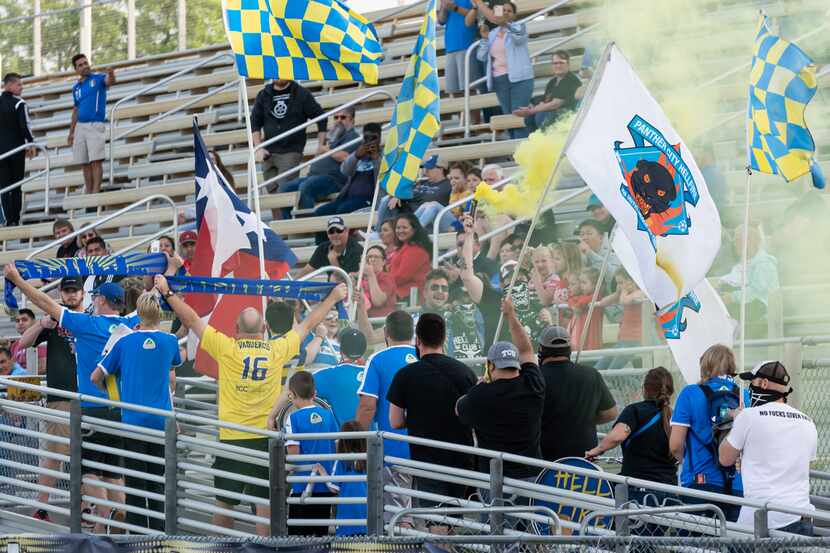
(306, 40)
(416, 118)
(782, 83)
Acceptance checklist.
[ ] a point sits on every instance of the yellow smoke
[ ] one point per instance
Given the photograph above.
(536, 158)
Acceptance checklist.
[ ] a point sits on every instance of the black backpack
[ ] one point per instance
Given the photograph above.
(719, 403)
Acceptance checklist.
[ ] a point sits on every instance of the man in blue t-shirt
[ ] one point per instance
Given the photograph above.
(691, 431)
(88, 129)
(143, 364)
(459, 33)
(373, 407)
(91, 334)
(309, 418)
(338, 385)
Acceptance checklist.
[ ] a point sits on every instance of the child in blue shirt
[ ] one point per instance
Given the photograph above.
(350, 511)
(308, 418)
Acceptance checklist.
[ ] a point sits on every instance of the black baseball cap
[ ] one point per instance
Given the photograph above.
(352, 343)
(72, 283)
(773, 371)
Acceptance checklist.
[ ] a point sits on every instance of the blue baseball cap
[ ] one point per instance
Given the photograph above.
(432, 162)
(593, 202)
(504, 355)
(111, 291)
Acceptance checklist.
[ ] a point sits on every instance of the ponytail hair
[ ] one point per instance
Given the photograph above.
(658, 385)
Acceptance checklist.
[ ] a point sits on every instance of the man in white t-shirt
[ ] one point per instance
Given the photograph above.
(776, 443)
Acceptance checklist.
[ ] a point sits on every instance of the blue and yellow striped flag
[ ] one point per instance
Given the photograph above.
(416, 118)
(782, 83)
(307, 40)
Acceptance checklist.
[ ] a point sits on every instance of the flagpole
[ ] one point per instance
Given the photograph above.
(744, 263)
(359, 286)
(603, 269)
(583, 109)
(253, 187)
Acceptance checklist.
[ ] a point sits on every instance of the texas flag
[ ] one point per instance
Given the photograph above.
(227, 246)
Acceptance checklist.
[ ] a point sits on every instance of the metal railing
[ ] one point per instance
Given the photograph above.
(131, 130)
(474, 46)
(322, 117)
(397, 12)
(329, 269)
(186, 491)
(44, 171)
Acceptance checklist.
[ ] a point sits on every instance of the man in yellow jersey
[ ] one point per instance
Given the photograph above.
(251, 369)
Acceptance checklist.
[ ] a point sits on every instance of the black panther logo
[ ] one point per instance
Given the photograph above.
(653, 187)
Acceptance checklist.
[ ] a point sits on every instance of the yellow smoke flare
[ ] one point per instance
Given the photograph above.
(670, 269)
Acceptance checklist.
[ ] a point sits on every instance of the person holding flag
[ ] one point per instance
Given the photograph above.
(250, 374)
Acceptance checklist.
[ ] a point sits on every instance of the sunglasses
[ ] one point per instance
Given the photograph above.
(340, 117)
(336, 231)
(439, 288)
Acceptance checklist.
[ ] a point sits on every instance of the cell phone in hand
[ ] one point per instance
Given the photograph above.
(155, 246)
(499, 11)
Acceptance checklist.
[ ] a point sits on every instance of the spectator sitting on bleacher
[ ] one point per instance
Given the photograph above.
(361, 169)
(630, 334)
(473, 178)
(429, 195)
(558, 98)
(378, 285)
(340, 250)
(187, 247)
(594, 245)
(411, 264)
(280, 107)
(505, 51)
(23, 321)
(600, 214)
(14, 132)
(88, 130)
(492, 173)
(7, 366)
(85, 237)
(459, 34)
(460, 188)
(325, 177)
(69, 247)
(337, 384)
(387, 238)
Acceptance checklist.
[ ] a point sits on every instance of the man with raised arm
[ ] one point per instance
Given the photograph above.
(251, 370)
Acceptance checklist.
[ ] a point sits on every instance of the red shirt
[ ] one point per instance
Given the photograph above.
(594, 338)
(631, 324)
(409, 268)
(387, 286)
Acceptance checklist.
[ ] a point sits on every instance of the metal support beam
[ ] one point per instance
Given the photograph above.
(182, 24)
(374, 485)
(86, 28)
(131, 30)
(496, 495)
(75, 474)
(761, 524)
(171, 478)
(621, 522)
(37, 41)
(279, 486)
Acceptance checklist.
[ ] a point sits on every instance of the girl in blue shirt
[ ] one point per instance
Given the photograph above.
(349, 489)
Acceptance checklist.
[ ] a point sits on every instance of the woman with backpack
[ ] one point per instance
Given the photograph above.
(702, 417)
(643, 430)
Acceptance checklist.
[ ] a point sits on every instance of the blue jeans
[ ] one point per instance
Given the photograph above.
(616, 362)
(800, 527)
(731, 512)
(540, 120)
(311, 188)
(384, 212)
(427, 212)
(343, 205)
(513, 96)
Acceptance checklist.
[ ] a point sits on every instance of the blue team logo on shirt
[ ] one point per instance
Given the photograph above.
(658, 183)
(672, 322)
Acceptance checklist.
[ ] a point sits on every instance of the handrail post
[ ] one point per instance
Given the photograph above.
(278, 485)
(496, 495)
(761, 526)
(75, 469)
(171, 480)
(621, 522)
(793, 359)
(374, 485)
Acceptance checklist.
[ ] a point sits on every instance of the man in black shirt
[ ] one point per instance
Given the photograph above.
(60, 375)
(14, 132)
(422, 399)
(69, 247)
(505, 409)
(559, 95)
(576, 399)
(280, 107)
(340, 250)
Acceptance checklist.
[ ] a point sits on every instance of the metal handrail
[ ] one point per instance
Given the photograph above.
(21, 182)
(398, 11)
(321, 117)
(518, 221)
(474, 46)
(150, 87)
(583, 529)
(332, 269)
(521, 509)
(436, 225)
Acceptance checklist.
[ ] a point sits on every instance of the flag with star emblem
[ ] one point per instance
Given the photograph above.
(781, 84)
(416, 118)
(306, 40)
(227, 245)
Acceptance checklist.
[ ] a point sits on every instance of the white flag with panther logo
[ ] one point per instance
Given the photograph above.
(628, 153)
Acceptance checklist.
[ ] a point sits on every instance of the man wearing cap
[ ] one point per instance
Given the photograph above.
(91, 334)
(505, 408)
(340, 250)
(776, 443)
(60, 375)
(429, 195)
(576, 399)
(337, 385)
(187, 247)
(600, 214)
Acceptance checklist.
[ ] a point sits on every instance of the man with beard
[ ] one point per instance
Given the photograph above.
(465, 324)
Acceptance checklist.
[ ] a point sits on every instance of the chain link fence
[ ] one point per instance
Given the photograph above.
(54, 31)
